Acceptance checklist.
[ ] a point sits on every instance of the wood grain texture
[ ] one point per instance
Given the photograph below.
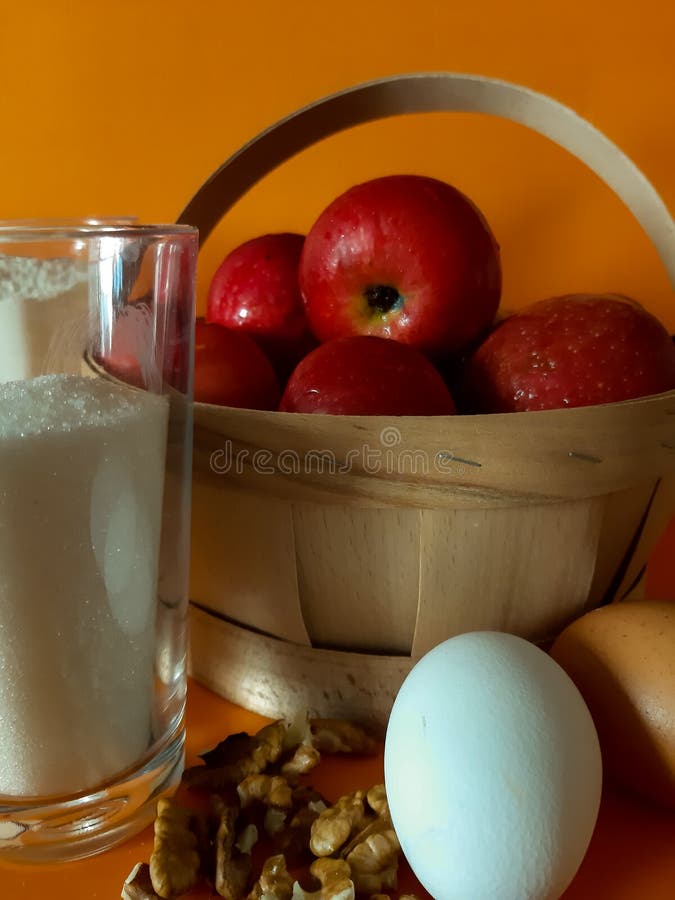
(442, 461)
(525, 525)
(243, 560)
(660, 513)
(358, 575)
(623, 519)
(277, 678)
(525, 570)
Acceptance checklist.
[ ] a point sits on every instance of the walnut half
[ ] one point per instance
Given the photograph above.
(335, 880)
(374, 862)
(138, 885)
(274, 880)
(174, 863)
(335, 825)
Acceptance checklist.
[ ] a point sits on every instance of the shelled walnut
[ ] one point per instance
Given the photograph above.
(270, 790)
(258, 783)
(335, 825)
(138, 885)
(387, 897)
(377, 800)
(304, 759)
(233, 868)
(334, 877)
(238, 756)
(290, 829)
(175, 862)
(274, 880)
(339, 736)
(374, 862)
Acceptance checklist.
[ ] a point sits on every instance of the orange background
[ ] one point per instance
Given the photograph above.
(127, 107)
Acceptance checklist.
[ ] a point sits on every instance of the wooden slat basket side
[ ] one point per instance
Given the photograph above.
(318, 577)
(279, 672)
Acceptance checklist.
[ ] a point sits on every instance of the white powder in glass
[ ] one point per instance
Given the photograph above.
(42, 302)
(28, 278)
(81, 482)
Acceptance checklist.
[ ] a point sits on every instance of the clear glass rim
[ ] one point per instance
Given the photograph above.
(78, 229)
(68, 221)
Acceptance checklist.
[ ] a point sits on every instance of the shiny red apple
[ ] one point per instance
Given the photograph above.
(150, 340)
(574, 350)
(255, 290)
(404, 257)
(232, 370)
(361, 376)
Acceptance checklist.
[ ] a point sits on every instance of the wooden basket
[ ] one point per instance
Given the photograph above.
(330, 552)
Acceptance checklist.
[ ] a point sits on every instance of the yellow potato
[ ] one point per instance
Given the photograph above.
(622, 659)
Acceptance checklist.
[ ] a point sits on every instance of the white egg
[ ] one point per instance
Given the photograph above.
(493, 771)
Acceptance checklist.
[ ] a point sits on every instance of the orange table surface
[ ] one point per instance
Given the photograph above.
(631, 856)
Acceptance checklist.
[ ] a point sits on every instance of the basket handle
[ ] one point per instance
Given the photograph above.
(434, 92)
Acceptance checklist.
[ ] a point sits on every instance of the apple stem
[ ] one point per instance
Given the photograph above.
(383, 298)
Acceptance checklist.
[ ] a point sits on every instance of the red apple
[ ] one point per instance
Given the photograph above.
(575, 350)
(404, 257)
(255, 290)
(150, 339)
(232, 370)
(131, 354)
(361, 376)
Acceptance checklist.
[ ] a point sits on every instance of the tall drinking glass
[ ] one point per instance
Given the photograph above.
(96, 332)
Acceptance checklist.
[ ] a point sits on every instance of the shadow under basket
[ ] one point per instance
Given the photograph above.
(329, 552)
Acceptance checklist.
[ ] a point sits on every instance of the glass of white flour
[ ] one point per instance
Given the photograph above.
(95, 436)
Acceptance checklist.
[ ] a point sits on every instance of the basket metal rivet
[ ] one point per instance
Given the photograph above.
(584, 457)
(449, 456)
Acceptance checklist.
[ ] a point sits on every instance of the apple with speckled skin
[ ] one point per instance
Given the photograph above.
(568, 351)
(255, 290)
(367, 376)
(405, 257)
